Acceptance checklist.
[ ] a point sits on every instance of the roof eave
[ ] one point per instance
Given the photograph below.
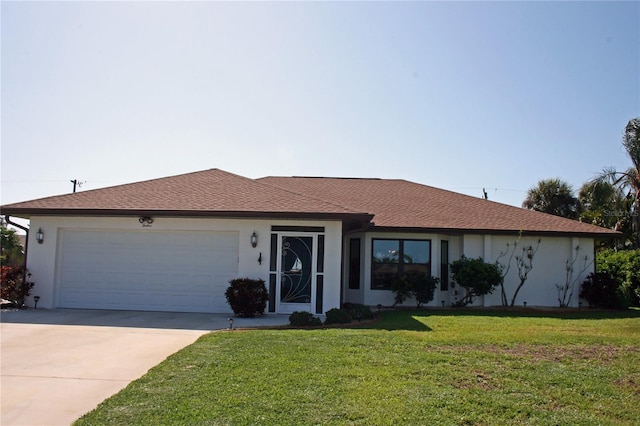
(606, 234)
(26, 213)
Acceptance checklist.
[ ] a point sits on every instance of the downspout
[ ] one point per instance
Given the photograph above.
(7, 218)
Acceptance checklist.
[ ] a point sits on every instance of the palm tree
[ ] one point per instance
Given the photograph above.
(628, 182)
(553, 196)
(603, 204)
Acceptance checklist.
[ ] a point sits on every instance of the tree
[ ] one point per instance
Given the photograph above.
(604, 204)
(523, 262)
(628, 182)
(565, 291)
(598, 199)
(11, 249)
(553, 196)
(476, 276)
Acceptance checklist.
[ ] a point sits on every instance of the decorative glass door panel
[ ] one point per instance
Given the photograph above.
(296, 270)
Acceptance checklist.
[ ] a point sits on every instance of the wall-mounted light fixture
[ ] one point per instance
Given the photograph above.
(260, 259)
(146, 221)
(40, 236)
(254, 239)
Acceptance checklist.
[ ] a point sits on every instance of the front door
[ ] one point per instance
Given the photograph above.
(297, 281)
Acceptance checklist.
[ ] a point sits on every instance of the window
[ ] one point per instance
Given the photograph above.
(391, 258)
(354, 263)
(444, 265)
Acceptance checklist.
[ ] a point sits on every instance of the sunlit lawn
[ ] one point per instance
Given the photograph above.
(411, 367)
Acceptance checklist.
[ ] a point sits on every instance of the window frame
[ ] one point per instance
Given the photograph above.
(355, 262)
(444, 265)
(401, 263)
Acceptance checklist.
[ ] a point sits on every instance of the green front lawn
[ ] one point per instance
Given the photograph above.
(412, 367)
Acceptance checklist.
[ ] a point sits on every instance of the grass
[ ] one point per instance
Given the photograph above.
(411, 367)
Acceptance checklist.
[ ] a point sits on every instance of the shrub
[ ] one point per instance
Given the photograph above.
(337, 316)
(423, 286)
(476, 276)
(415, 284)
(401, 288)
(303, 319)
(624, 267)
(15, 285)
(247, 297)
(601, 290)
(358, 311)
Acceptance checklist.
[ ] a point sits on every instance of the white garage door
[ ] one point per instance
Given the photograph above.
(146, 270)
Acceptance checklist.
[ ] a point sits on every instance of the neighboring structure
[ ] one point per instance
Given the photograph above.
(172, 244)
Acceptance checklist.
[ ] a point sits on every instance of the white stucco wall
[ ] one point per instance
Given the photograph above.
(549, 268)
(42, 258)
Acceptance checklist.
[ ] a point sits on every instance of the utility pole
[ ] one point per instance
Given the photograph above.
(75, 183)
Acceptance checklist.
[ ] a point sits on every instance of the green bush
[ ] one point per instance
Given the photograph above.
(601, 290)
(358, 311)
(624, 267)
(337, 316)
(247, 297)
(476, 276)
(401, 288)
(303, 319)
(423, 286)
(415, 284)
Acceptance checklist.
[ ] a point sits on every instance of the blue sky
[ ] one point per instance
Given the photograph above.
(458, 95)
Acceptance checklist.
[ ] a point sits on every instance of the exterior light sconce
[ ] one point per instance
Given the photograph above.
(260, 259)
(254, 239)
(146, 221)
(40, 236)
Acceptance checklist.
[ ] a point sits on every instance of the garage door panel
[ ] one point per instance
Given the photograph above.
(166, 271)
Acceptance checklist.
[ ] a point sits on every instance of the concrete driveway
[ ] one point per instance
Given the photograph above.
(60, 364)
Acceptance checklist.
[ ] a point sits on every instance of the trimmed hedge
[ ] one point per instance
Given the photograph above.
(304, 319)
(358, 311)
(247, 297)
(337, 316)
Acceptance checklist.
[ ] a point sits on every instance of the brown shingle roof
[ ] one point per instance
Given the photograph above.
(396, 204)
(403, 204)
(209, 192)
